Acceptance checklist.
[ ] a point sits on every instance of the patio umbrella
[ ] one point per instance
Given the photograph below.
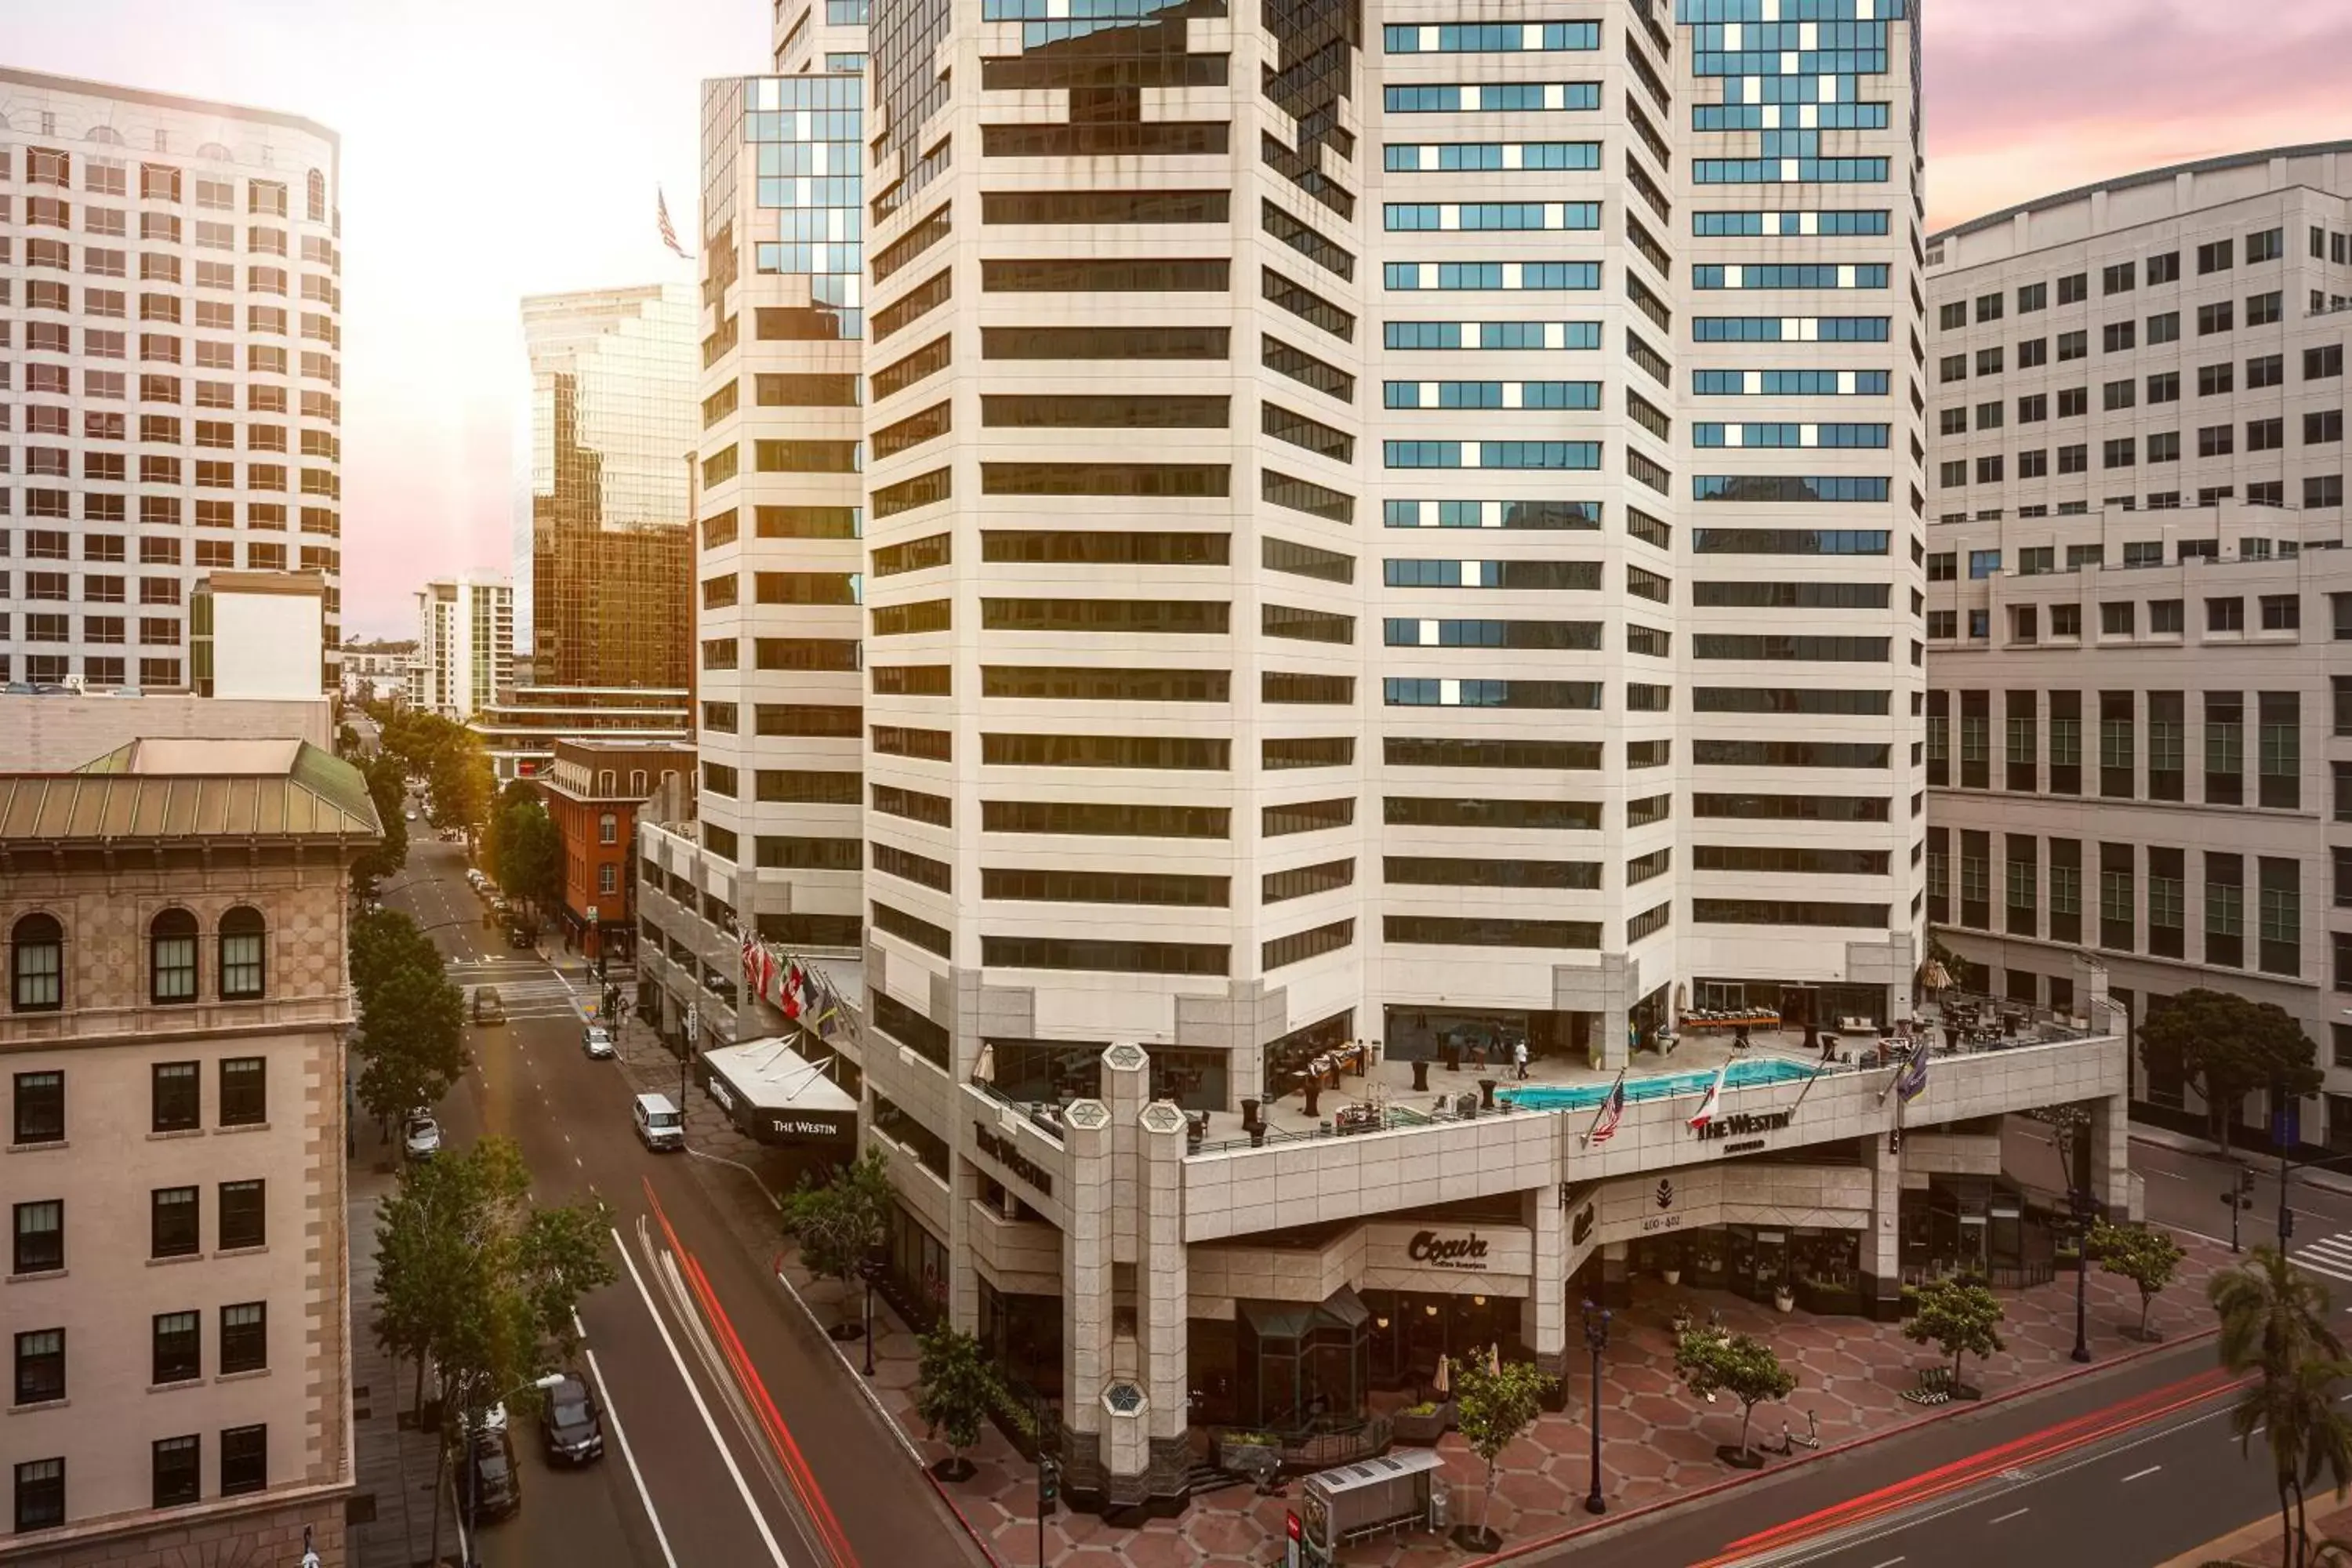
(984, 1069)
(1444, 1382)
(1494, 1359)
(1935, 976)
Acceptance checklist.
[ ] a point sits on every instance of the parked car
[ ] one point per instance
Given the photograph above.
(489, 1007)
(569, 1423)
(488, 1485)
(658, 1123)
(423, 1137)
(596, 1040)
(520, 935)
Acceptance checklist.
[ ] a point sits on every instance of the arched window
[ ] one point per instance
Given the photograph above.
(608, 828)
(36, 964)
(214, 150)
(243, 934)
(318, 198)
(171, 958)
(104, 135)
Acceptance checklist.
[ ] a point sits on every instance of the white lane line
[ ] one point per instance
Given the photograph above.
(2141, 1475)
(725, 1454)
(1891, 1562)
(576, 1326)
(2167, 1175)
(2013, 1514)
(613, 1414)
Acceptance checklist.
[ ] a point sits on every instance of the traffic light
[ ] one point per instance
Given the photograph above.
(1049, 1485)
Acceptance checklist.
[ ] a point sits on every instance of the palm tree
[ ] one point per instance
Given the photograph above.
(2274, 1325)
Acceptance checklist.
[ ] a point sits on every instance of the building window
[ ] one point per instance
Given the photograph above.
(608, 879)
(608, 828)
(36, 964)
(242, 936)
(40, 1494)
(40, 1108)
(2225, 910)
(2281, 755)
(179, 1477)
(177, 1097)
(2281, 916)
(242, 1219)
(245, 1460)
(244, 1091)
(244, 1337)
(171, 958)
(173, 1226)
(40, 1236)
(179, 1348)
(40, 1366)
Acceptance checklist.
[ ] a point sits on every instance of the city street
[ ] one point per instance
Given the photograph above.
(727, 1436)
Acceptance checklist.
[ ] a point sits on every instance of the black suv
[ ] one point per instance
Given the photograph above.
(569, 1424)
(488, 1486)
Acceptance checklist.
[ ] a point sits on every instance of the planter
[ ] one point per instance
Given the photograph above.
(954, 1468)
(1670, 1276)
(1739, 1458)
(1421, 1431)
(1482, 1540)
(1240, 1457)
(1784, 1301)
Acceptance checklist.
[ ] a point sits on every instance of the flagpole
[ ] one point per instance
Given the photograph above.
(1818, 1069)
(1602, 1109)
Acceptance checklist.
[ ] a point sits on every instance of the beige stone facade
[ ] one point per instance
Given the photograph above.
(155, 1075)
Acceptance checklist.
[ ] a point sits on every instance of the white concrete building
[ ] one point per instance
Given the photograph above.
(1227, 382)
(465, 643)
(2134, 681)
(176, 367)
(258, 634)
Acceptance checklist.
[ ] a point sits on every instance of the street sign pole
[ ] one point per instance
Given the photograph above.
(693, 1041)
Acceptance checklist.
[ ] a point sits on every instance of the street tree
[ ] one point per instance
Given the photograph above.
(2229, 1046)
(2143, 1255)
(413, 1035)
(1710, 1361)
(1961, 1319)
(2275, 1332)
(953, 1389)
(384, 941)
(841, 1223)
(384, 859)
(528, 855)
(1494, 1402)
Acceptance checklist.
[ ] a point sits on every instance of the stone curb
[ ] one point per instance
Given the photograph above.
(1557, 1538)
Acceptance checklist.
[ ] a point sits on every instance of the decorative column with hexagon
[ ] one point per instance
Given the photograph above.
(1087, 1287)
(1163, 1290)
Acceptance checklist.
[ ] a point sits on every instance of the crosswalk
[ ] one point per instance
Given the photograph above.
(2327, 1255)
(525, 990)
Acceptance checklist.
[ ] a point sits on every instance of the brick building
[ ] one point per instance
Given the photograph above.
(593, 792)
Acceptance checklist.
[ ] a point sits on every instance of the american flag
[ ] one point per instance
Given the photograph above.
(668, 235)
(1612, 1111)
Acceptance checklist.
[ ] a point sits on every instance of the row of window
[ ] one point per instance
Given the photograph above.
(2118, 278)
(2116, 337)
(2321, 364)
(177, 1469)
(36, 959)
(2048, 728)
(2120, 618)
(37, 1106)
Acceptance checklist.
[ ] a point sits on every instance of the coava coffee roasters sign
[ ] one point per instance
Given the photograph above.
(1447, 1249)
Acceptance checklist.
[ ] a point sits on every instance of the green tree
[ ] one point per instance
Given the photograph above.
(413, 1035)
(1961, 1317)
(842, 1222)
(2147, 1256)
(2229, 1046)
(386, 787)
(384, 941)
(1709, 1360)
(1492, 1409)
(2275, 1329)
(477, 1280)
(953, 1389)
(529, 852)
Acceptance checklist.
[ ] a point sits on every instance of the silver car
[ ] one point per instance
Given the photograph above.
(597, 1041)
(424, 1137)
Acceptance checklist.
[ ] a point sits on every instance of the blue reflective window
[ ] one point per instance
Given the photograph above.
(1788, 488)
(1489, 37)
(1769, 329)
(1789, 434)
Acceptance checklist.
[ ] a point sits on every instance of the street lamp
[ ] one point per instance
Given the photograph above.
(869, 1269)
(473, 1485)
(2085, 1209)
(1596, 1340)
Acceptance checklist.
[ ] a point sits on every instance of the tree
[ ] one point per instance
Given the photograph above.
(529, 851)
(1962, 1318)
(385, 940)
(1493, 1408)
(413, 1034)
(386, 787)
(2229, 1046)
(841, 1223)
(2275, 1328)
(1708, 1360)
(953, 1389)
(2147, 1256)
(478, 1280)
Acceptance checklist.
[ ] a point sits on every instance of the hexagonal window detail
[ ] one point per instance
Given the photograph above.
(1087, 1113)
(1160, 1117)
(1123, 1399)
(1126, 1057)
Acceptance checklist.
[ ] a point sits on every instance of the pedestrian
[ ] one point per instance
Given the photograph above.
(1519, 1058)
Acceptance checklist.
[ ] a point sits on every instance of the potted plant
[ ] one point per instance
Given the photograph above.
(1784, 1296)
(1424, 1424)
(1236, 1451)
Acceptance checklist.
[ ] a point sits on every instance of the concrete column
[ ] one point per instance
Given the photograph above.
(1126, 1089)
(2109, 1137)
(1882, 1244)
(1086, 1291)
(1616, 1275)
(1163, 1302)
(1543, 1324)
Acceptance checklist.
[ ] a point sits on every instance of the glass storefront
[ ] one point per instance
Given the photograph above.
(915, 1274)
(1410, 1332)
(1023, 1335)
(1300, 1368)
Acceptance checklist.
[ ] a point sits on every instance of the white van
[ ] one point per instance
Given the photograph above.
(659, 1125)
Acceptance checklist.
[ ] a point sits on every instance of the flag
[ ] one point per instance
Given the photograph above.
(668, 235)
(750, 961)
(1714, 1101)
(1612, 1111)
(1913, 1081)
(791, 1002)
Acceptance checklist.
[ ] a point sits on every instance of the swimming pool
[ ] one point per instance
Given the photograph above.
(1748, 1074)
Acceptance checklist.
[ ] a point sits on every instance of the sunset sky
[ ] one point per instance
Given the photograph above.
(497, 148)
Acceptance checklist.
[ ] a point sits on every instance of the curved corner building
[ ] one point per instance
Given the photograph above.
(2136, 577)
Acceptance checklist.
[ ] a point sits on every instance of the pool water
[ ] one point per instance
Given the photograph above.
(1664, 1086)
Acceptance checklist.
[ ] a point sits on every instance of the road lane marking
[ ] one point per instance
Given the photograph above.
(1891, 1562)
(2013, 1514)
(694, 1391)
(613, 1413)
(2140, 1475)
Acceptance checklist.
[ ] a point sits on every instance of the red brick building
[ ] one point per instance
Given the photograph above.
(593, 792)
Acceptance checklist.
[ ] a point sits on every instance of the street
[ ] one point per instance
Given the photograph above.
(730, 1437)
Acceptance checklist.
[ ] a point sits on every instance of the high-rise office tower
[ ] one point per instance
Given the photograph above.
(465, 644)
(2134, 579)
(613, 378)
(175, 369)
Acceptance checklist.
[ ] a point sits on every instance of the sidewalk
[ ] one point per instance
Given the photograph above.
(394, 1466)
(1658, 1442)
(2261, 1545)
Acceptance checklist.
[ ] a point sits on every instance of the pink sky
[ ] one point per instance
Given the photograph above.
(496, 148)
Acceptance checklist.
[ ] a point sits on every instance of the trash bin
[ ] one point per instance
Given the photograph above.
(1441, 1509)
